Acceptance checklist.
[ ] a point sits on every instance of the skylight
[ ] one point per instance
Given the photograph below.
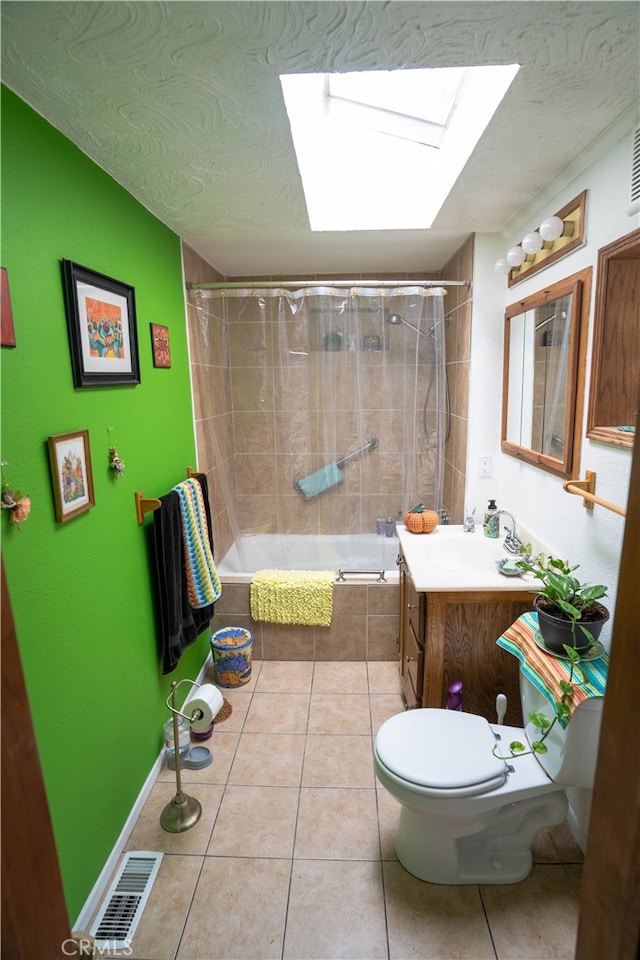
(380, 150)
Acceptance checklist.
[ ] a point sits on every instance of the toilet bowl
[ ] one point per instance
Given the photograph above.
(466, 815)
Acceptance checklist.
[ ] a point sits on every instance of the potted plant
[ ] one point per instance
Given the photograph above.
(569, 614)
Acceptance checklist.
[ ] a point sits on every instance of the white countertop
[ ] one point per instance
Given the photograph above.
(447, 559)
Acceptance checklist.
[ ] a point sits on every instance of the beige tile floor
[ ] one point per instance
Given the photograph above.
(293, 855)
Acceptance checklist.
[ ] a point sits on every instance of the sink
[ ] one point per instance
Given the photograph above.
(467, 555)
(448, 559)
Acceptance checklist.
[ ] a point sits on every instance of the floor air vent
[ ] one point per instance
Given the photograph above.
(117, 919)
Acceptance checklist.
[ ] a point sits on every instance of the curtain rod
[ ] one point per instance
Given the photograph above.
(274, 284)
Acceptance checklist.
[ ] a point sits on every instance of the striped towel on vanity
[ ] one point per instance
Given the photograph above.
(545, 670)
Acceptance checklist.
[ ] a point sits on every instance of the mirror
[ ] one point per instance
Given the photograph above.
(615, 368)
(543, 375)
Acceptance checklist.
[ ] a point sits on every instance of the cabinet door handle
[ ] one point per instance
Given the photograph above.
(409, 659)
(411, 606)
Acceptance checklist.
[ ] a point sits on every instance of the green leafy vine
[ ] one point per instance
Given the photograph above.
(540, 720)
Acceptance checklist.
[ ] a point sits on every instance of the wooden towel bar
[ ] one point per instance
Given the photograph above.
(148, 504)
(587, 490)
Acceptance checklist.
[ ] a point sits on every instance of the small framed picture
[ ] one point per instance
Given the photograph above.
(101, 321)
(160, 345)
(71, 474)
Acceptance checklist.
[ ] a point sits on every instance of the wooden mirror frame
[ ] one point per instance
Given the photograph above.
(579, 286)
(615, 364)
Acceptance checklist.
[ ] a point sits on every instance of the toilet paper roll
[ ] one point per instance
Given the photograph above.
(204, 706)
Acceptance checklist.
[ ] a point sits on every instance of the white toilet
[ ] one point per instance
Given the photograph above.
(467, 816)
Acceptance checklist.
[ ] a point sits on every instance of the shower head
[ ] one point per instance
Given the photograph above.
(395, 320)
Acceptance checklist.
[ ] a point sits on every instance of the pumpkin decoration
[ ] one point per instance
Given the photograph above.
(420, 520)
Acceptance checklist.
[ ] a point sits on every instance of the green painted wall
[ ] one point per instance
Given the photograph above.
(82, 591)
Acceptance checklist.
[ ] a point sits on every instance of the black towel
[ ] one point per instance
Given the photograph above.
(180, 624)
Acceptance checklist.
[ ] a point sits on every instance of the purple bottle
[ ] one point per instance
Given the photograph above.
(454, 700)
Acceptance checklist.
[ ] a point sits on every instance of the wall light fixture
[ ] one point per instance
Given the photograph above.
(555, 238)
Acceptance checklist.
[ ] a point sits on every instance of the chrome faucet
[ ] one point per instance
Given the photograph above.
(469, 524)
(512, 542)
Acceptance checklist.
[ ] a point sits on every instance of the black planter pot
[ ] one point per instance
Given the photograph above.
(556, 631)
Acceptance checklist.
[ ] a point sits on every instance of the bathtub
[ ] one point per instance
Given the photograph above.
(365, 607)
(352, 554)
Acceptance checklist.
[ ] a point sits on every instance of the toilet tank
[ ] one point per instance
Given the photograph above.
(572, 751)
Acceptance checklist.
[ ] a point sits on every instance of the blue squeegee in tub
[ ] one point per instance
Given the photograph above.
(331, 474)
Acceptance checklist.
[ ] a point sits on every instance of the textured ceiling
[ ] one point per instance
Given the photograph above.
(181, 103)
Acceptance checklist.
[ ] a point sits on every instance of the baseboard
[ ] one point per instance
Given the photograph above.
(576, 829)
(203, 669)
(102, 883)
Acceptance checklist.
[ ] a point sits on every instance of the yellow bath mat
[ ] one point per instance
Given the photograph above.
(302, 597)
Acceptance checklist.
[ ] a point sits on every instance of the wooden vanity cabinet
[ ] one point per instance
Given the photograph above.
(446, 637)
(411, 640)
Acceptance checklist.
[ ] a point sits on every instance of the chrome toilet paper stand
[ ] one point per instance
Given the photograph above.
(183, 811)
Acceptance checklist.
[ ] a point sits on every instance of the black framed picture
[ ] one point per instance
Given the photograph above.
(101, 320)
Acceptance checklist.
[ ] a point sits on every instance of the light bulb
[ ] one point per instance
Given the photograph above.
(515, 256)
(551, 228)
(502, 267)
(532, 243)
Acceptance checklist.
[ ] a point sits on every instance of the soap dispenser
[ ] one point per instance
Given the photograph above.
(491, 523)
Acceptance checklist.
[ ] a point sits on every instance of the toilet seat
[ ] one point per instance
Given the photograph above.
(442, 752)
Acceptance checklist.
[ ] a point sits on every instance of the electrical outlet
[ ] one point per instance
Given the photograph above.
(484, 466)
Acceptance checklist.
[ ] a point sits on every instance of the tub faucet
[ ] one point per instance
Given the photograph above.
(512, 542)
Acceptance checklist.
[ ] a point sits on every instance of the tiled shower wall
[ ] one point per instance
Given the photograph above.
(297, 407)
(253, 450)
(459, 302)
(210, 384)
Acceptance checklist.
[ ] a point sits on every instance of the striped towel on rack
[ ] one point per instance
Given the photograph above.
(203, 584)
